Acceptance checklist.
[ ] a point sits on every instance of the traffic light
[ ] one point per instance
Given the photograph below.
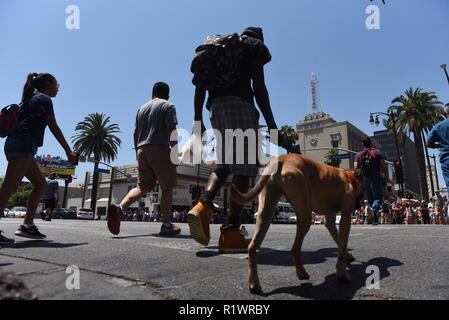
(399, 173)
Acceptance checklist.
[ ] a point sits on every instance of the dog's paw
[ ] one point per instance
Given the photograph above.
(303, 275)
(255, 289)
(350, 258)
(344, 278)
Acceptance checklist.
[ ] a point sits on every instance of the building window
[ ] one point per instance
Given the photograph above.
(334, 144)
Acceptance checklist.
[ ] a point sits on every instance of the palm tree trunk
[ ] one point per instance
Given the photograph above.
(432, 188)
(93, 198)
(421, 165)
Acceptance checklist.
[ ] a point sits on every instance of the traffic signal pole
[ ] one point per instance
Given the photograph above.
(393, 119)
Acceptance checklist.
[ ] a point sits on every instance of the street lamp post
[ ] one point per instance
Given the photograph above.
(443, 66)
(436, 173)
(393, 119)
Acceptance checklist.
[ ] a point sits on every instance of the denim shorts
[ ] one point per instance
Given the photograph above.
(20, 146)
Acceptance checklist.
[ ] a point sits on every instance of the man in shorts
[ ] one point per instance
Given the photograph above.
(232, 109)
(155, 122)
(50, 196)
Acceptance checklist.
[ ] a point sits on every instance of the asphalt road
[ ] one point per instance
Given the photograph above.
(139, 264)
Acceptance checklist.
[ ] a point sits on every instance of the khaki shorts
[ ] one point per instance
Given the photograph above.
(155, 165)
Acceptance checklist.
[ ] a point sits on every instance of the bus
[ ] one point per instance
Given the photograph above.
(284, 213)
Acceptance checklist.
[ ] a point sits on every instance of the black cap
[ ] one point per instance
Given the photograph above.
(254, 32)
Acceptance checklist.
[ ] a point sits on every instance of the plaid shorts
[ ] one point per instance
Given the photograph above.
(236, 113)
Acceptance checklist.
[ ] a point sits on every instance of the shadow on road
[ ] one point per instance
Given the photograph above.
(41, 244)
(284, 258)
(5, 264)
(129, 237)
(179, 236)
(331, 289)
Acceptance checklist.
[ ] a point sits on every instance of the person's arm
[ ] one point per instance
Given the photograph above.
(261, 93)
(135, 136)
(57, 193)
(170, 129)
(200, 97)
(432, 145)
(57, 133)
(433, 138)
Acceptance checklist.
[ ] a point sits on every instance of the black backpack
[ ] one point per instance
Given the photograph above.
(217, 62)
(9, 119)
(369, 162)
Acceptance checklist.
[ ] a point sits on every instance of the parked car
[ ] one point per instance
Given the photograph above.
(63, 213)
(85, 214)
(17, 212)
(319, 219)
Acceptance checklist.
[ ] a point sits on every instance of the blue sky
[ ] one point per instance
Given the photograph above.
(124, 47)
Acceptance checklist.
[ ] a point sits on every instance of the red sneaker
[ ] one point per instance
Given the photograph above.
(169, 230)
(114, 218)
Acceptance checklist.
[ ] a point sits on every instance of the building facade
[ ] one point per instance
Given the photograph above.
(318, 133)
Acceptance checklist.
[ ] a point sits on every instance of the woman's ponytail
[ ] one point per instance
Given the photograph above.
(29, 87)
(37, 82)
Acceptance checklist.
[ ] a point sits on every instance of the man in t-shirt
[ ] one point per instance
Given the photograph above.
(155, 122)
(231, 109)
(373, 166)
(439, 139)
(50, 196)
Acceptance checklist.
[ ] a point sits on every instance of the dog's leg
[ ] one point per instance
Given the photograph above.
(298, 195)
(302, 227)
(267, 205)
(345, 227)
(330, 225)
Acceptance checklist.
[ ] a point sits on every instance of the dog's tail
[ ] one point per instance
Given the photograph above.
(243, 198)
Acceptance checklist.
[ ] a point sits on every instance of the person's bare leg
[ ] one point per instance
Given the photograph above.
(37, 179)
(133, 196)
(166, 204)
(242, 183)
(14, 174)
(216, 181)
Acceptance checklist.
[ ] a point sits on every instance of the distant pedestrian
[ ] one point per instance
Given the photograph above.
(438, 207)
(51, 196)
(155, 122)
(425, 212)
(375, 175)
(36, 113)
(385, 213)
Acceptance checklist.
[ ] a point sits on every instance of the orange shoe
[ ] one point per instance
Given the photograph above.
(232, 241)
(199, 220)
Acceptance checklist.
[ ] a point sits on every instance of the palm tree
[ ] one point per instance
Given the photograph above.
(291, 136)
(95, 136)
(417, 112)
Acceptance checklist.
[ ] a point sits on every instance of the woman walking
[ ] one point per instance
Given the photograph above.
(36, 113)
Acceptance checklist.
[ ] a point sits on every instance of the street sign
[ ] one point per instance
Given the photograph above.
(340, 157)
(105, 171)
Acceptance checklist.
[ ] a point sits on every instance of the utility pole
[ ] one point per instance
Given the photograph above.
(434, 157)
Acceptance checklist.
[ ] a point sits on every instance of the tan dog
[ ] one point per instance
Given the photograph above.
(308, 186)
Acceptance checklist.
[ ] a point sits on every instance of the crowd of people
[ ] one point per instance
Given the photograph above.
(407, 211)
(156, 216)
